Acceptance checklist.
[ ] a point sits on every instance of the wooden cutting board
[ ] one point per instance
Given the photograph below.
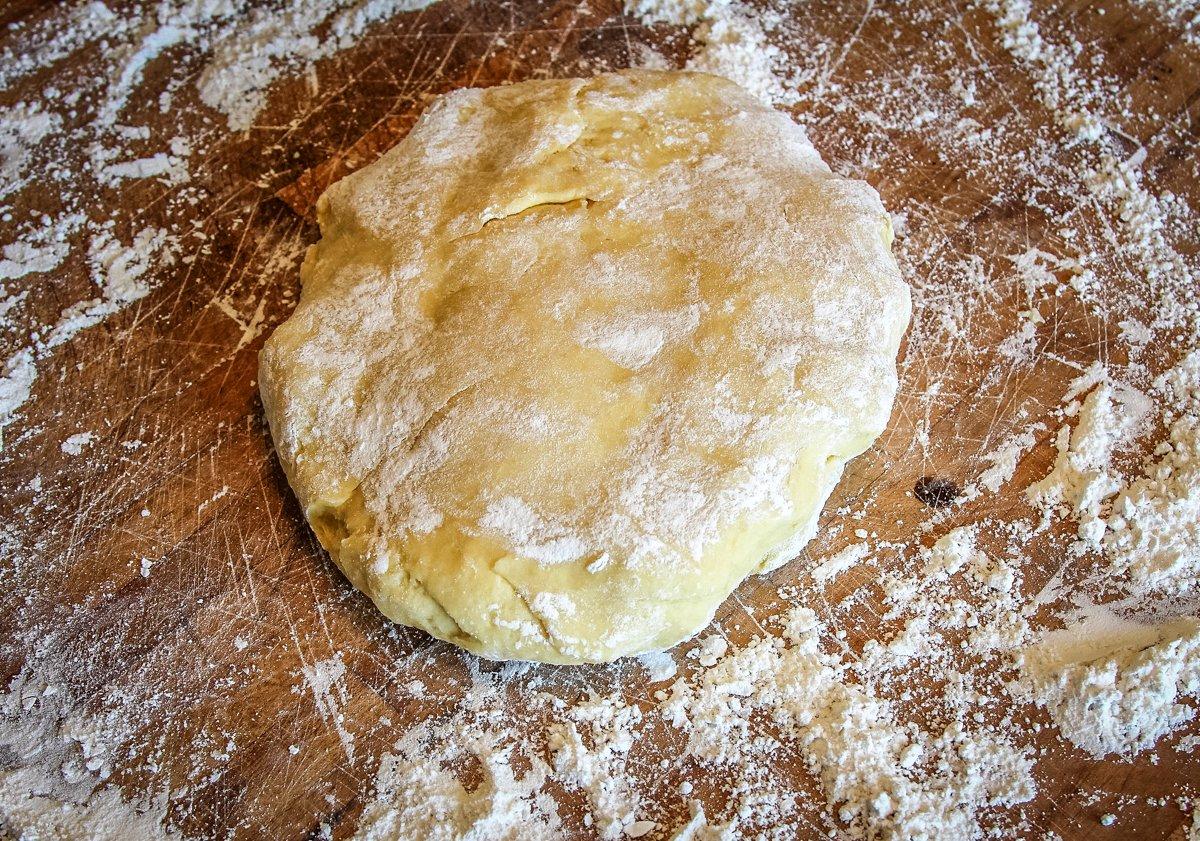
(239, 602)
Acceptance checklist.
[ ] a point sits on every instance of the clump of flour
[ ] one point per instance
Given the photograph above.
(1124, 698)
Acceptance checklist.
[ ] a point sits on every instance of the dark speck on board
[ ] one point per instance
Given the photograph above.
(936, 491)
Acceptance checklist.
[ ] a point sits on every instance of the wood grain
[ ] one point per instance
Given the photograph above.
(232, 559)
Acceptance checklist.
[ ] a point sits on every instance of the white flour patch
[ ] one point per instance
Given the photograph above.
(418, 794)
(731, 41)
(168, 168)
(633, 340)
(42, 250)
(1154, 528)
(325, 679)
(835, 565)
(1083, 478)
(1003, 460)
(22, 128)
(951, 553)
(248, 58)
(15, 383)
(77, 443)
(1124, 699)
(659, 666)
(529, 533)
(52, 782)
(52, 40)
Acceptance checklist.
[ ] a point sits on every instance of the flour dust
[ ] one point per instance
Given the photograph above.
(910, 676)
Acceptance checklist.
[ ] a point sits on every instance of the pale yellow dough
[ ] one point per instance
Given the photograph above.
(577, 356)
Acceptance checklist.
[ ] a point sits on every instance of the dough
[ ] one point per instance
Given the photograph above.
(577, 356)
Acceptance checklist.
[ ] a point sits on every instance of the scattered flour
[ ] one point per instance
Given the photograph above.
(1184, 14)
(881, 778)
(590, 752)
(1165, 280)
(325, 679)
(245, 50)
(121, 273)
(418, 794)
(1148, 527)
(900, 726)
(249, 57)
(52, 781)
(731, 41)
(1055, 75)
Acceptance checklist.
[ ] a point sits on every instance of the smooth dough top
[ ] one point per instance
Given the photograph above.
(577, 356)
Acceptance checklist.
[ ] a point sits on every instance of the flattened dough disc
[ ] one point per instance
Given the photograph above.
(577, 356)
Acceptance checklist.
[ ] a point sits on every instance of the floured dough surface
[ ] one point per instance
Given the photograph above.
(577, 356)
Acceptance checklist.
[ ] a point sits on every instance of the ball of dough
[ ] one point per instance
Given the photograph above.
(577, 356)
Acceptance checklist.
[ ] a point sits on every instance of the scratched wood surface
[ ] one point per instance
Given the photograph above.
(232, 558)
